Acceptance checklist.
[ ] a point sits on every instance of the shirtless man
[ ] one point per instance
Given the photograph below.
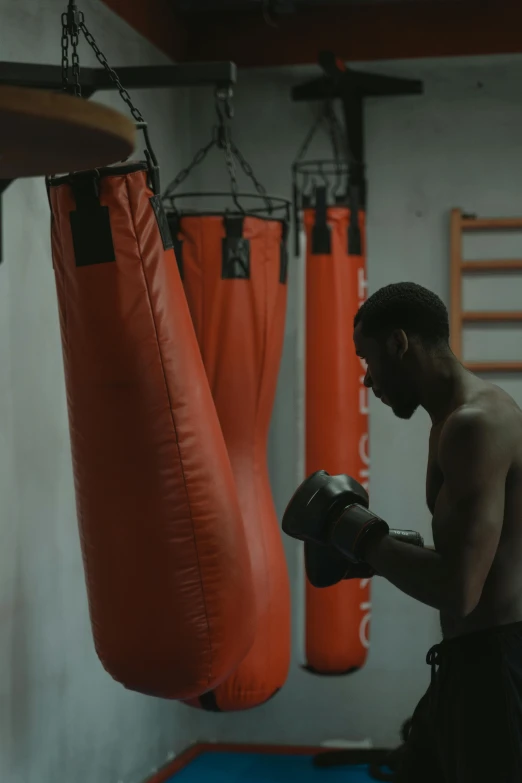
(467, 728)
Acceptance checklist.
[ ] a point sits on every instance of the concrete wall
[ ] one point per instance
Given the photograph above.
(61, 717)
(456, 146)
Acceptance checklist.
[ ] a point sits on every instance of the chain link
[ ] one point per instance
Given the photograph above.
(336, 133)
(222, 138)
(70, 37)
(71, 26)
(231, 167)
(199, 157)
(310, 136)
(75, 39)
(111, 72)
(342, 151)
(65, 53)
(249, 171)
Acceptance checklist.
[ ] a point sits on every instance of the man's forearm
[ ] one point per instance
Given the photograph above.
(420, 573)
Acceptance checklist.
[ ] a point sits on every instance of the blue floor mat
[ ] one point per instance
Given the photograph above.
(261, 768)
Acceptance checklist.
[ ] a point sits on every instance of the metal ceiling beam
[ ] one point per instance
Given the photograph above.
(49, 77)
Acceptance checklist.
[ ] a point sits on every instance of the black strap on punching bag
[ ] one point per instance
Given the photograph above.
(90, 222)
(177, 241)
(321, 238)
(235, 251)
(163, 223)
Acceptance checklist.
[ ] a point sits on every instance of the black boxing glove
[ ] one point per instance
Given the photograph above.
(318, 514)
(354, 529)
(326, 566)
(318, 502)
(359, 571)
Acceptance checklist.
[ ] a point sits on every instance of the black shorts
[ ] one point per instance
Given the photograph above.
(467, 728)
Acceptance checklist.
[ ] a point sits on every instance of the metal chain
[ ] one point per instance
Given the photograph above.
(222, 133)
(112, 73)
(249, 171)
(199, 157)
(339, 149)
(222, 139)
(65, 53)
(332, 131)
(70, 36)
(231, 166)
(309, 138)
(75, 39)
(339, 139)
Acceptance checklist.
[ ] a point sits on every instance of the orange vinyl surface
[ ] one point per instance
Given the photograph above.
(166, 559)
(240, 325)
(337, 618)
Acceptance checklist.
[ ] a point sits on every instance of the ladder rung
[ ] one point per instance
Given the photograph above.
(489, 317)
(490, 224)
(499, 367)
(508, 265)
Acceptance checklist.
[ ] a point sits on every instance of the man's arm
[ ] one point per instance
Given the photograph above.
(469, 514)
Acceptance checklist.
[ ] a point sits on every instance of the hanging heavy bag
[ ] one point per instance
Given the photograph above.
(337, 617)
(336, 418)
(234, 269)
(166, 561)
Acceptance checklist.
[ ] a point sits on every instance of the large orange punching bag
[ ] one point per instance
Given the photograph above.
(234, 271)
(166, 560)
(337, 618)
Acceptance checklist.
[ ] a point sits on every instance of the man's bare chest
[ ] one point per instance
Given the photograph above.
(434, 475)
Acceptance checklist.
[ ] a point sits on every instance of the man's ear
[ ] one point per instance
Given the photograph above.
(398, 343)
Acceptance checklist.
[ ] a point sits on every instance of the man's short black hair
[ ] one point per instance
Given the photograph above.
(406, 306)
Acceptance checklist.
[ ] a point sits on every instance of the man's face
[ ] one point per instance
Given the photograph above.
(386, 373)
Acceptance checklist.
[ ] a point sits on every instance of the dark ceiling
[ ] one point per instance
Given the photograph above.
(275, 33)
(267, 6)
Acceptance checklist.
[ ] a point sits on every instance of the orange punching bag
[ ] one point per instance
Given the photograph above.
(165, 554)
(337, 618)
(234, 271)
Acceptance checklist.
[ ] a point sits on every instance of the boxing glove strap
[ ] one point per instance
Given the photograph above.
(365, 571)
(408, 537)
(352, 530)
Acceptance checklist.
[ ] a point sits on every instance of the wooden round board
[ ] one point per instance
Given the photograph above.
(45, 133)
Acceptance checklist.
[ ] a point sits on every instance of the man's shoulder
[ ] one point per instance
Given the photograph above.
(468, 422)
(489, 409)
(487, 423)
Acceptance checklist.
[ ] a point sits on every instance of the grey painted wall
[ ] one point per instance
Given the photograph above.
(61, 717)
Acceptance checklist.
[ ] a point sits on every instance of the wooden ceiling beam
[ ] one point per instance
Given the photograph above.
(156, 21)
(362, 32)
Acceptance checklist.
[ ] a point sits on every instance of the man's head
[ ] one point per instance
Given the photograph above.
(396, 330)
